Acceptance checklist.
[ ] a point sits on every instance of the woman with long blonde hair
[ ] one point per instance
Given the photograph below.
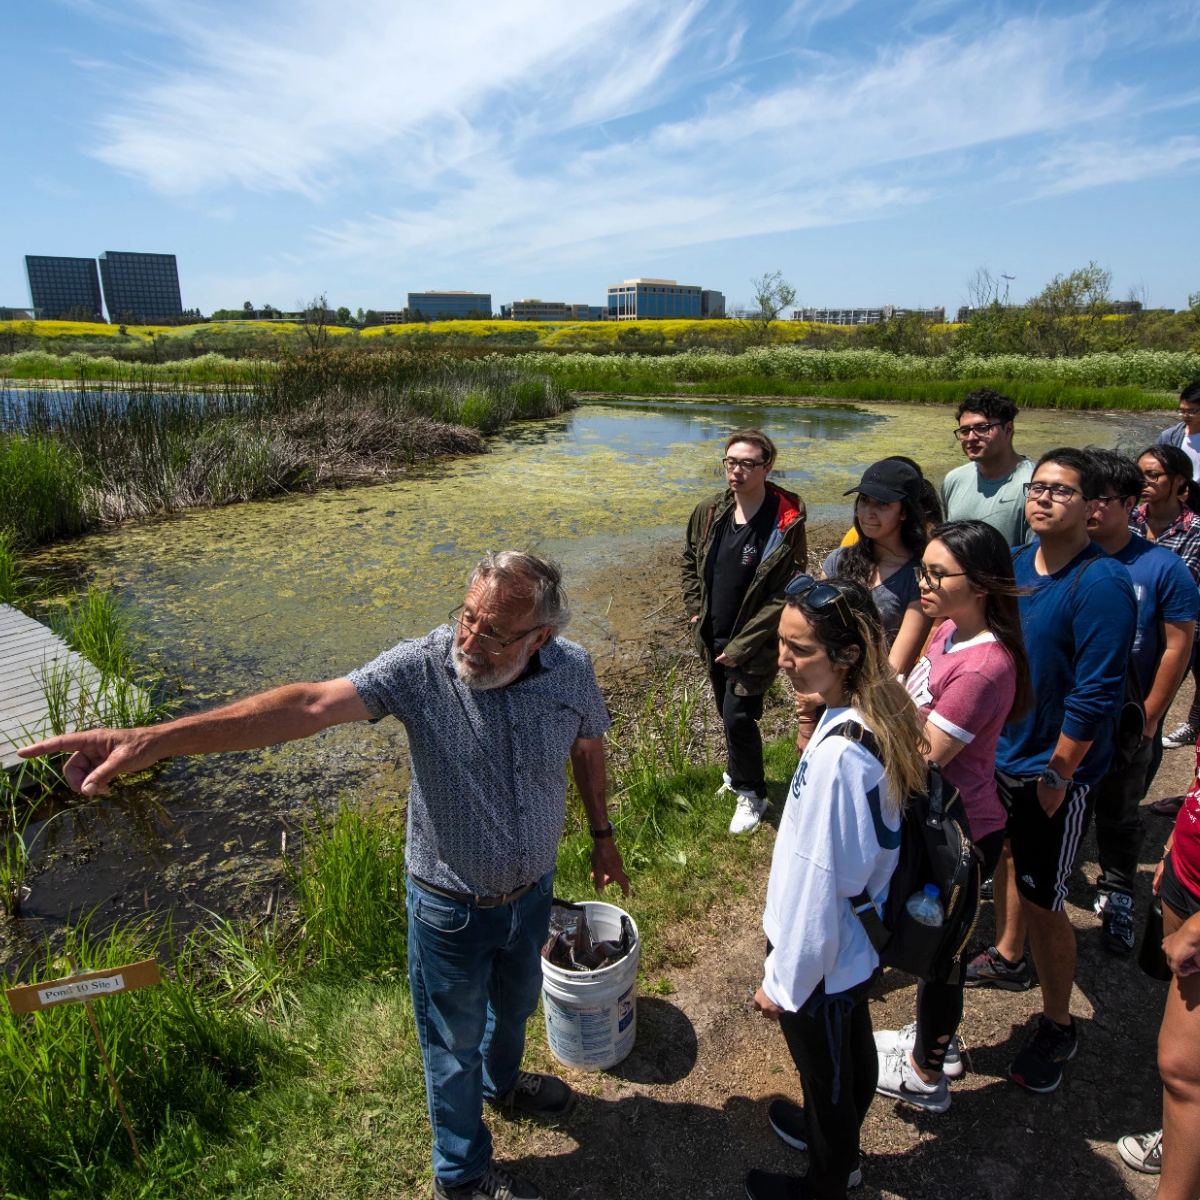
(839, 836)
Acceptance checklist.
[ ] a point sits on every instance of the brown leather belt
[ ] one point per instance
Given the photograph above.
(468, 898)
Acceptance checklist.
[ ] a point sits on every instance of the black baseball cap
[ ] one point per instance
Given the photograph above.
(889, 479)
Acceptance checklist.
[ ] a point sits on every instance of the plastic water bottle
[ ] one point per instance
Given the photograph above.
(925, 908)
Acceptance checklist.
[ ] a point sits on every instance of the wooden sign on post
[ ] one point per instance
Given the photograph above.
(81, 987)
(72, 989)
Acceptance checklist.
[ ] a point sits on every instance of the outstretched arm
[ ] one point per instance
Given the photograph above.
(284, 714)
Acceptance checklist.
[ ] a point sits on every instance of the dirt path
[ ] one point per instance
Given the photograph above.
(685, 1115)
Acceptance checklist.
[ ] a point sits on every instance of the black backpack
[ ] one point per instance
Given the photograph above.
(935, 847)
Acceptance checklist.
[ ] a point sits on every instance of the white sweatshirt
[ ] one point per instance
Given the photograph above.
(828, 849)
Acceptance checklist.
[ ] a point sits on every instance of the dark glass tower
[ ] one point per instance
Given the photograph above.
(140, 288)
(58, 286)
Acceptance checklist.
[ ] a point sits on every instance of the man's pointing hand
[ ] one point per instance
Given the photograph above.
(98, 756)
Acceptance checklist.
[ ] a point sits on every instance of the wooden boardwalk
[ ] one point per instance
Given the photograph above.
(28, 650)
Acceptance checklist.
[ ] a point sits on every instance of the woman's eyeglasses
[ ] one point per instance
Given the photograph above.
(932, 580)
(819, 596)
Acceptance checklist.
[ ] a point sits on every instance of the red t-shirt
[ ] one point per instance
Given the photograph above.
(1185, 849)
(966, 690)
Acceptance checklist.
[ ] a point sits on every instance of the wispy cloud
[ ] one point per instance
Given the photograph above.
(1073, 167)
(502, 131)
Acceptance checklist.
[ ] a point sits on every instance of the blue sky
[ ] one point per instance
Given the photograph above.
(875, 152)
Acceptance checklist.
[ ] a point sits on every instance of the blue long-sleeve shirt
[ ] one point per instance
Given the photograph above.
(1078, 635)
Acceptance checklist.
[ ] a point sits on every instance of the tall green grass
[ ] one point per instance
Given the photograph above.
(180, 1055)
(349, 882)
(1165, 371)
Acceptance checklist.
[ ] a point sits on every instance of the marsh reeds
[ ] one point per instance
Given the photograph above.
(135, 445)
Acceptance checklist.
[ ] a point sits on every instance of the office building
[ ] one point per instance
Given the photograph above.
(550, 310)
(652, 300)
(865, 316)
(449, 306)
(712, 304)
(540, 310)
(140, 288)
(58, 286)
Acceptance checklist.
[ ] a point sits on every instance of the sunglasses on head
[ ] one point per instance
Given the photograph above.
(820, 596)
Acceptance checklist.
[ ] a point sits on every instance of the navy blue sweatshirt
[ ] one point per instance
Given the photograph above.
(1078, 640)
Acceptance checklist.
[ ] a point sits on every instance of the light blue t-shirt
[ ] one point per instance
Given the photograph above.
(967, 496)
(1165, 591)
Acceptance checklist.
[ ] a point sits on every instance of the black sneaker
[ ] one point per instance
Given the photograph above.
(494, 1184)
(1116, 921)
(1142, 1152)
(536, 1095)
(986, 889)
(1039, 1066)
(991, 969)
(1168, 806)
(787, 1119)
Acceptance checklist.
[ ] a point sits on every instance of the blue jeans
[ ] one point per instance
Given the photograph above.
(476, 975)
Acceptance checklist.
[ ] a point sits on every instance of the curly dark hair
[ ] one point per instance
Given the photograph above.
(988, 403)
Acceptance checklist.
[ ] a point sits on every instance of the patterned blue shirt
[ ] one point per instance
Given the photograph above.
(489, 780)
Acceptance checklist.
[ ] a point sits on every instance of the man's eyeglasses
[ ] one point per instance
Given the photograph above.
(1060, 493)
(1185, 411)
(819, 596)
(983, 429)
(746, 464)
(1154, 476)
(932, 580)
(1105, 501)
(493, 645)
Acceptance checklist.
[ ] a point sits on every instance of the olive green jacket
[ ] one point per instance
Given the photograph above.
(753, 647)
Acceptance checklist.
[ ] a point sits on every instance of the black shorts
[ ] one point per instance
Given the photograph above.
(1175, 894)
(1044, 848)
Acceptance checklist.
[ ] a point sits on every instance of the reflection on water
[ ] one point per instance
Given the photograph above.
(247, 597)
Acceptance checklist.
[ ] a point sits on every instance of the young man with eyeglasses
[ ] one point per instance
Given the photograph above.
(1078, 618)
(495, 704)
(1167, 606)
(989, 487)
(742, 547)
(1186, 434)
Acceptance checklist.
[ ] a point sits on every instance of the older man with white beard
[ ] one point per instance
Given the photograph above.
(495, 703)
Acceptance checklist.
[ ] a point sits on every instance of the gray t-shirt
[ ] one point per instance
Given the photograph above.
(967, 496)
(489, 768)
(892, 596)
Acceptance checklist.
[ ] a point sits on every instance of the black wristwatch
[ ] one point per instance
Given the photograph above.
(597, 834)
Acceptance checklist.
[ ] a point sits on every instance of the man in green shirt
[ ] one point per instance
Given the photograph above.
(991, 486)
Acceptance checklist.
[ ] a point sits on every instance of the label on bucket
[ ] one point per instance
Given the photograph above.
(625, 1010)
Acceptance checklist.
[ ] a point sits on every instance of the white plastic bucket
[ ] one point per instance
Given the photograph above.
(591, 1016)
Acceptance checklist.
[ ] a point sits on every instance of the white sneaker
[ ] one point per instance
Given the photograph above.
(748, 814)
(898, 1080)
(898, 1041)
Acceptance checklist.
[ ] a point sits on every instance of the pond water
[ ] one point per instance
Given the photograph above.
(238, 599)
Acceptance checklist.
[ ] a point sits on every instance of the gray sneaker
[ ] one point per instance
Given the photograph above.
(494, 1184)
(536, 1095)
(1142, 1152)
(1183, 735)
